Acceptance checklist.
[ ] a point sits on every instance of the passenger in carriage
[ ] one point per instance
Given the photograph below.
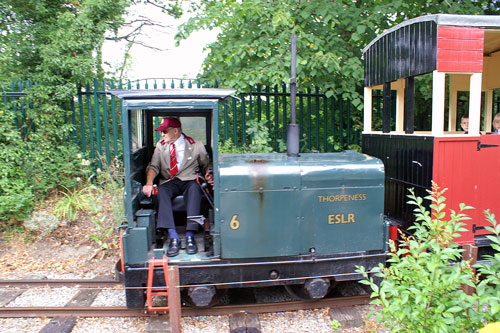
(496, 124)
(175, 159)
(464, 122)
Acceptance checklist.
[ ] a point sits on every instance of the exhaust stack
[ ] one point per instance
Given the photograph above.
(292, 147)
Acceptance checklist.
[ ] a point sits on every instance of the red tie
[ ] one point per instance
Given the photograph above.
(173, 161)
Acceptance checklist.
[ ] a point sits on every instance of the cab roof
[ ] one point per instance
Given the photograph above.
(204, 93)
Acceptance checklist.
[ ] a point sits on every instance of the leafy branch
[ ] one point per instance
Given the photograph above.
(421, 290)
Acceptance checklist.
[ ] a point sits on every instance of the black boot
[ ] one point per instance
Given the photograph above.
(173, 247)
(191, 247)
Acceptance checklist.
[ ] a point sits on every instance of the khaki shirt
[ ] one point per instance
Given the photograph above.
(195, 155)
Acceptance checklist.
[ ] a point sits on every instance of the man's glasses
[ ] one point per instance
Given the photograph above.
(168, 129)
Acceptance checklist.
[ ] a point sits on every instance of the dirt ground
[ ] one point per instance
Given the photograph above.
(68, 252)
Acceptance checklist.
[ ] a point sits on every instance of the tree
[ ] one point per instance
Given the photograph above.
(137, 26)
(56, 44)
(253, 45)
(56, 38)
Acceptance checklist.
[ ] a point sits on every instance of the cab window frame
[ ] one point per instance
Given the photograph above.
(149, 131)
(137, 133)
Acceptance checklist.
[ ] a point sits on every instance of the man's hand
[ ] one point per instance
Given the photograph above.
(147, 189)
(209, 177)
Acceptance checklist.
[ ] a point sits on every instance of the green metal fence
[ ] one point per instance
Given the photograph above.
(326, 123)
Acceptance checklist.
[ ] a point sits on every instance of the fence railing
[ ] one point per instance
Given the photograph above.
(326, 123)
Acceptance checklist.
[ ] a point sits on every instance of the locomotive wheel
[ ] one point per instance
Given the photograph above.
(311, 290)
(219, 293)
(135, 298)
(297, 292)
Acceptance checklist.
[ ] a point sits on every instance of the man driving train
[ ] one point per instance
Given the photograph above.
(175, 159)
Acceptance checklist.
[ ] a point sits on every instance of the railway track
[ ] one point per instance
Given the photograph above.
(30, 283)
(31, 312)
(80, 306)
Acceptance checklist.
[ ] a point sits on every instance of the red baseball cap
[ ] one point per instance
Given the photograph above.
(169, 123)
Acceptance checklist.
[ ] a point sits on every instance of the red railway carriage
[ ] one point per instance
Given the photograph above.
(462, 54)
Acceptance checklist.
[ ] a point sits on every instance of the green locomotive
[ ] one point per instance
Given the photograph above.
(299, 221)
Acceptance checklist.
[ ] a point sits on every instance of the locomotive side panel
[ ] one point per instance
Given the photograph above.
(259, 214)
(342, 197)
(260, 224)
(272, 205)
(344, 219)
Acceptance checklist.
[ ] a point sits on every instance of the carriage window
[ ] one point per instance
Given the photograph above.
(136, 129)
(194, 127)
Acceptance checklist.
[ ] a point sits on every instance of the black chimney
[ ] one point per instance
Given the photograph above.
(292, 148)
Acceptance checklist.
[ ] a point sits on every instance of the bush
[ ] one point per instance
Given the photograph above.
(31, 168)
(16, 197)
(54, 165)
(421, 290)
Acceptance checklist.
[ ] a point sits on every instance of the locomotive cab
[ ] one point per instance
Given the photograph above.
(142, 112)
(304, 222)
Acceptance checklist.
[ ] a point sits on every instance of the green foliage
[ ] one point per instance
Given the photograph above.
(56, 44)
(259, 133)
(90, 198)
(254, 43)
(335, 325)
(336, 145)
(54, 39)
(73, 202)
(112, 182)
(488, 289)
(421, 289)
(260, 141)
(55, 167)
(16, 197)
(355, 147)
(102, 232)
(228, 147)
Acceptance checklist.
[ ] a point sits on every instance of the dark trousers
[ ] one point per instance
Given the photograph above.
(192, 199)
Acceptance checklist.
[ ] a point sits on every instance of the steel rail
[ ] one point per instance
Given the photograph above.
(33, 312)
(25, 283)
(278, 306)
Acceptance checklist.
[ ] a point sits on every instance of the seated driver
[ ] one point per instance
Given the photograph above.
(176, 158)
